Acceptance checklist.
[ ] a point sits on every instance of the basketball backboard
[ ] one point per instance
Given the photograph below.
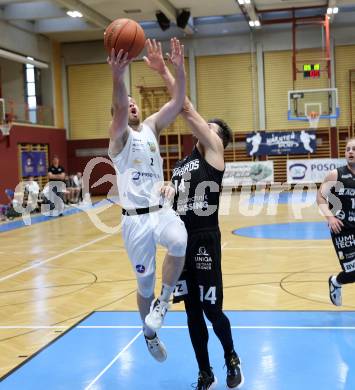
(2, 111)
(302, 103)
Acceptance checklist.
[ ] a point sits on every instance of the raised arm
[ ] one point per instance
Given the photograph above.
(168, 113)
(119, 126)
(323, 193)
(199, 127)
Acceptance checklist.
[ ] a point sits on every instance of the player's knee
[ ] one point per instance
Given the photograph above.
(146, 285)
(177, 244)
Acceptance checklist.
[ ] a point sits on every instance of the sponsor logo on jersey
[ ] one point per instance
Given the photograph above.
(194, 203)
(350, 266)
(188, 167)
(345, 241)
(152, 147)
(137, 145)
(180, 288)
(140, 268)
(202, 251)
(348, 176)
(137, 162)
(347, 191)
(203, 260)
(140, 175)
(340, 214)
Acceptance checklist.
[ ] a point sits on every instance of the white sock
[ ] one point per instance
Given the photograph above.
(166, 291)
(149, 333)
(335, 282)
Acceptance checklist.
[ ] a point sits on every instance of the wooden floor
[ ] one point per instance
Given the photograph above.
(54, 273)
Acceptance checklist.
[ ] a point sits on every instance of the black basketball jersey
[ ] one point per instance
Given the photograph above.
(345, 192)
(197, 186)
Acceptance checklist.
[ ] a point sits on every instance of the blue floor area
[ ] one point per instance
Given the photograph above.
(295, 197)
(287, 231)
(39, 218)
(279, 351)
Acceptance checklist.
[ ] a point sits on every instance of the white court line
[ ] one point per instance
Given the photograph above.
(224, 244)
(38, 264)
(261, 327)
(114, 360)
(262, 248)
(104, 250)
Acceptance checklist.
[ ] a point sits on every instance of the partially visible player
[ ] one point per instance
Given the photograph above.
(197, 181)
(134, 150)
(338, 191)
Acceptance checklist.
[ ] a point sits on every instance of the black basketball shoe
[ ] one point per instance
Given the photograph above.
(206, 381)
(234, 372)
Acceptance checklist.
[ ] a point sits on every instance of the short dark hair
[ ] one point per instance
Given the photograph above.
(224, 131)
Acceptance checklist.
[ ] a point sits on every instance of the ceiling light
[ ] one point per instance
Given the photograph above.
(329, 11)
(251, 23)
(241, 2)
(335, 10)
(75, 14)
(257, 23)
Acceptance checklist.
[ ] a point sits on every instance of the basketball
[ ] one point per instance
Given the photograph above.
(125, 34)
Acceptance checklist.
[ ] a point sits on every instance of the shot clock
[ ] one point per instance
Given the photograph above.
(311, 71)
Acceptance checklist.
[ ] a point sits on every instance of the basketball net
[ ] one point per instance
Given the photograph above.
(313, 118)
(5, 129)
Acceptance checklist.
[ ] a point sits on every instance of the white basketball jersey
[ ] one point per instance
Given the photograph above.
(139, 170)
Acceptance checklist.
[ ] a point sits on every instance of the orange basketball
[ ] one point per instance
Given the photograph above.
(125, 34)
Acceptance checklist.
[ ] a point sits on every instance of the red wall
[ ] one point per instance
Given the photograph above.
(77, 163)
(9, 169)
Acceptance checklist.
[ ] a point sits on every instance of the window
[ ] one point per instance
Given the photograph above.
(31, 91)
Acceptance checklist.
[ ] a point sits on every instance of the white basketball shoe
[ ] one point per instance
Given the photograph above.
(155, 318)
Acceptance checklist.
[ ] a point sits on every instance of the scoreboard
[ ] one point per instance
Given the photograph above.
(311, 71)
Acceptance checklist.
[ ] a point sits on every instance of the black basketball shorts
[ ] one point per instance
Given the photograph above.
(201, 278)
(344, 244)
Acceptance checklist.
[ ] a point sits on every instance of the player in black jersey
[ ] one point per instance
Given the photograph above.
(338, 191)
(197, 182)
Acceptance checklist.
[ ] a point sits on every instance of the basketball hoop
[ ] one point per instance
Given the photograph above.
(5, 129)
(313, 118)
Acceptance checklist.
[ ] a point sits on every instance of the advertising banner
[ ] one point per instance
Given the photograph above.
(311, 170)
(246, 173)
(265, 143)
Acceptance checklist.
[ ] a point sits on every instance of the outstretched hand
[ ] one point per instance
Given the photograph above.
(155, 59)
(176, 56)
(118, 62)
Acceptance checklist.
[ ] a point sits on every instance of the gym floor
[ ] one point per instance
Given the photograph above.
(68, 311)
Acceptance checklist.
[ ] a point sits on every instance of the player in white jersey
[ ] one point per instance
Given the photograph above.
(134, 150)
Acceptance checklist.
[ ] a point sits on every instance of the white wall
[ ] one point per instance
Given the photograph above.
(12, 82)
(12, 78)
(24, 43)
(276, 39)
